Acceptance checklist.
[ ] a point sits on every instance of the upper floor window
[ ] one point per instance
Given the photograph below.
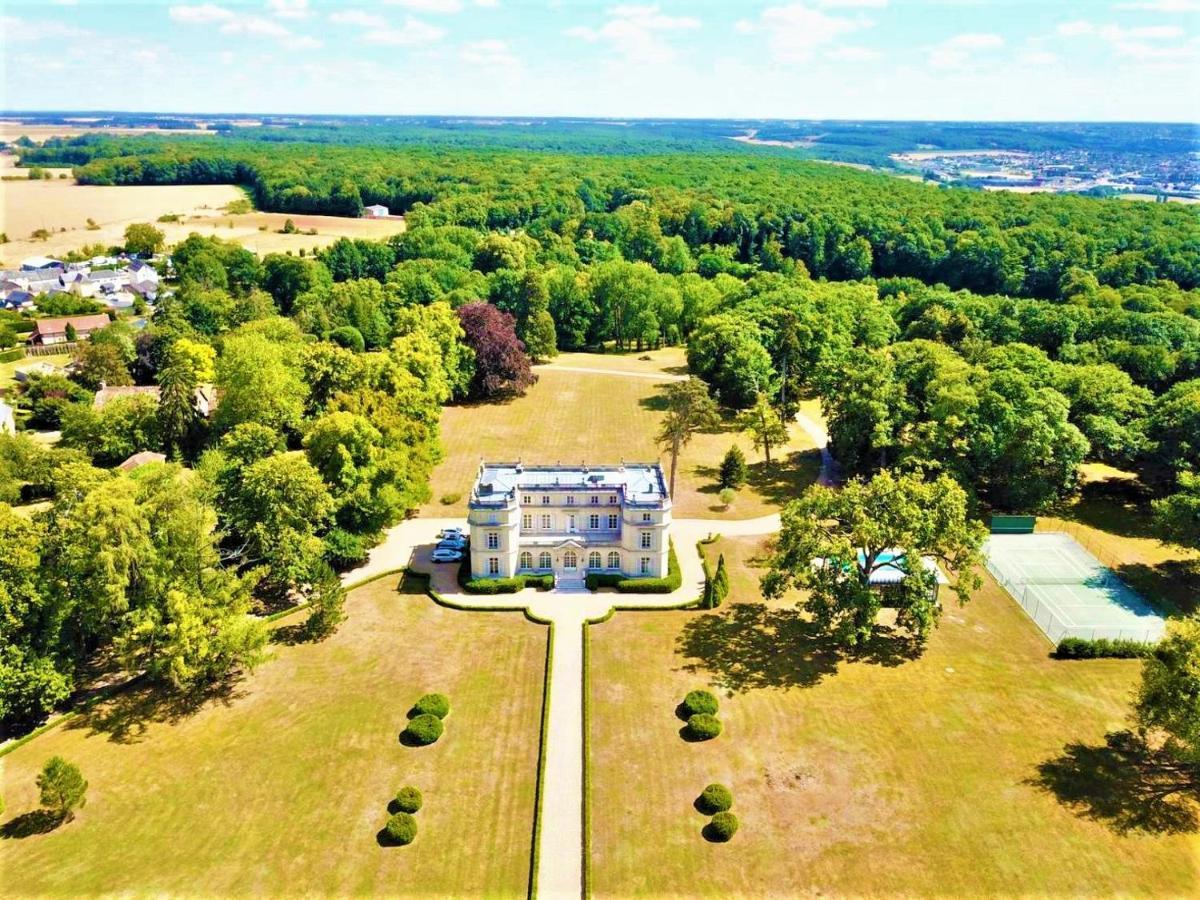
(645, 517)
(545, 499)
(612, 498)
(526, 499)
(546, 523)
(570, 500)
(595, 500)
(493, 539)
(526, 521)
(645, 538)
(594, 522)
(613, 522)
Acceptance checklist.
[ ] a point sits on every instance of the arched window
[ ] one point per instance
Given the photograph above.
(614, 560)
(570, 560)
(526, 561)
(594, 560)
(544, 560)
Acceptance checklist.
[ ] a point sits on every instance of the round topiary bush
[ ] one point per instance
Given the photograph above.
(409, 800)
(700, 702)
(723, 826)
(715, 798)
(704, 727)
(401, 828)
(433, 705)
(424, 729)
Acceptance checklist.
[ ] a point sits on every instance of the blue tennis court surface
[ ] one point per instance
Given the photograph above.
(1067, 591)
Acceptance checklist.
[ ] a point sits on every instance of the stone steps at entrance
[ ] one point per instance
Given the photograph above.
(568, 585)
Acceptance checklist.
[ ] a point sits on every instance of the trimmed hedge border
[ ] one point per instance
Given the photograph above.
(625, 585)
(540, 789)
(1102, 648)
(12, 355)
(508, 585)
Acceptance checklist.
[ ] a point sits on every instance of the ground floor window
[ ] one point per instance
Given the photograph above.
(594, 560)
(526, 560)
(544, 561)
(493, 565)
(614, 560)
(644, 567)
(570, 561)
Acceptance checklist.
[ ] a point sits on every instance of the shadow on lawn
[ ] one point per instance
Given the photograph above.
(781, 481)
(751, 645)
(38, 821)
(1125, 785)
(1171, 581)
(127, 716)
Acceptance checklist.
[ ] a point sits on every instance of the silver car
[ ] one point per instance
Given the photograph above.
(446, 554)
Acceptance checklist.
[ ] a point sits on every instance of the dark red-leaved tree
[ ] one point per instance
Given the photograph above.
(501, 366)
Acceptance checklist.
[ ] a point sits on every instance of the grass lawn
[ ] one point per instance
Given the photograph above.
(8, 370)
(575, 416)
(945, 775)
(281, 787)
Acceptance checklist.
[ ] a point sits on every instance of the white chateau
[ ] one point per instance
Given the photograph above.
(569, 520)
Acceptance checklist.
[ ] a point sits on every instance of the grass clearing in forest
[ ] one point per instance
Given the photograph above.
(280, 786)
(572, 416)
(979, 767)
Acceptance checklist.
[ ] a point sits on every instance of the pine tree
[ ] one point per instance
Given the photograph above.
(721, 580)
(733, 468)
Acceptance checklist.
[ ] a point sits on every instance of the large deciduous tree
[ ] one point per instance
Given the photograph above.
(501, 366)
(833, 541)
(1168, 699)
(764, 425)
(689, 410)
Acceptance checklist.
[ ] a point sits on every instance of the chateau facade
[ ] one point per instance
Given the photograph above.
(569, 520)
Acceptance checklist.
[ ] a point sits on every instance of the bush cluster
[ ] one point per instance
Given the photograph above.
(1081, 648)
(627, 585)
(12, 355)
(424, 729)
(401, 828)
(433, 705)
(704, 726)
(716, 798)
(701, 702)
(409, 799)
(722, 827)
(508, 585)
(716, 587)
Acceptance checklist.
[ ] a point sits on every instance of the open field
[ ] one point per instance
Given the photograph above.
(8, 369)
(10, 169)
(280, 787)
(935, 776)
(573, 416)
(56, 204)
(10, 130)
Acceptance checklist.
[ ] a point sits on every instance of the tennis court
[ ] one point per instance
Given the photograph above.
(1067, 591)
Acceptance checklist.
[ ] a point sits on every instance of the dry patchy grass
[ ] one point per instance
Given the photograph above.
(978, 768)
(281, 786)
(573, 416)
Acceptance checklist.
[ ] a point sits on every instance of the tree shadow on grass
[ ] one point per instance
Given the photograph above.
(1125, 785)
(1172, 581)
(1117, 507)
(126, 717)
(30, 824)
(751, 645)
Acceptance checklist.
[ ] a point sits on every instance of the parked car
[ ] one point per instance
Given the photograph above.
(453, 543)
(446, 554)
(452, 533)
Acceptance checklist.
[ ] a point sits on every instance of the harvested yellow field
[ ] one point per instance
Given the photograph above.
(10, 130)
(55, 205)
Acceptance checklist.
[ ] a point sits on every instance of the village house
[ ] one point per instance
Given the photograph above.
(206, 395)
(569, 520)
(47, 332)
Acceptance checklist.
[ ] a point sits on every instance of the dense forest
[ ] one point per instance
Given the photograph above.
(998, 339)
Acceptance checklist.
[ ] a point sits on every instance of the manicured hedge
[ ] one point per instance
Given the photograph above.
(1081, 648)
(424, 729)
(716, 798)
(508, 585)
(409, 799)
(401, 828)
(433, 705)
(12, 355)
(625, 585)
(704, 727)
(700, 702)
(723, 826)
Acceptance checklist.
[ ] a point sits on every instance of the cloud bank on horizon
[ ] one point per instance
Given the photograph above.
(1137, 60)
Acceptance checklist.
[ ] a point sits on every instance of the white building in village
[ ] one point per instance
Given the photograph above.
(569, 520)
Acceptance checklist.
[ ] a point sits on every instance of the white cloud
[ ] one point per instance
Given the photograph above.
(637, 32)
(290, 9)
(428, 6)
(41, 29)
(255, 25)
(488, 3)
(853, 54)
(202, 14)
(1144, 43)
(1038, 58)
(413, 31)
(958, 50)
(358, 17)
(796, 31)
(494, 54)
(859, 4)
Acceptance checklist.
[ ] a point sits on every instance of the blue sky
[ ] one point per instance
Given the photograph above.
(1129, 60)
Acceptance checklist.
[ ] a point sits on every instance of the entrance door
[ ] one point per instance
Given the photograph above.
(570, 561)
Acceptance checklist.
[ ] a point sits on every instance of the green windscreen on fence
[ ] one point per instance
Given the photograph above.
(1013, 524)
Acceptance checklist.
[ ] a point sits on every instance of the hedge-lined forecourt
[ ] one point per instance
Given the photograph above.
(424, 729)
(672, 582)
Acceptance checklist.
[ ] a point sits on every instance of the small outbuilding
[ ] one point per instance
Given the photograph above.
(376, 211)
(144, 458)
